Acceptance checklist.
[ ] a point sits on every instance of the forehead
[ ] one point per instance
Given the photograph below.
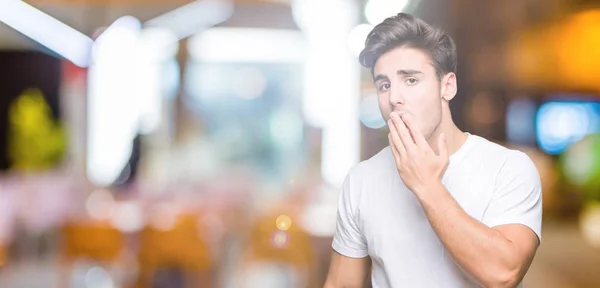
(403, 58)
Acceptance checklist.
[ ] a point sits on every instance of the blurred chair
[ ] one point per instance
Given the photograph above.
(179, 247)
(3, 256)
(96, 240)
(92, 240)
(285, 255)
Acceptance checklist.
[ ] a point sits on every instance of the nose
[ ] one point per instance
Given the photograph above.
(396, 96)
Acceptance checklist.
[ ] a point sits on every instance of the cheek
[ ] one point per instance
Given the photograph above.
(428, 94)
(384, 106)
(419, 98)
(425, 105)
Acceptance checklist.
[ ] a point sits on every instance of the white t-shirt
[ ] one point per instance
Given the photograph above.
(379, 217)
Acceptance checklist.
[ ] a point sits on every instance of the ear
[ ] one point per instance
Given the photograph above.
(448, 86)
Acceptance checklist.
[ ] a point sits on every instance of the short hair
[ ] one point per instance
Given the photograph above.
(405, 30)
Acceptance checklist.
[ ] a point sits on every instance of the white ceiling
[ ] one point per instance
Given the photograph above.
(248, 13)
(81, 17)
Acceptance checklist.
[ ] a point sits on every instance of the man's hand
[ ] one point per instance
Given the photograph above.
(509, 247)
(418, 165)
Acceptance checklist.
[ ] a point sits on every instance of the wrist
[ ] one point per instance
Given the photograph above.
(430, 191)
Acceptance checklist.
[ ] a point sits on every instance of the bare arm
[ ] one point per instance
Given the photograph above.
(346, 272)
(495, 257)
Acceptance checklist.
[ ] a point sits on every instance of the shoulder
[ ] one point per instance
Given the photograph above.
(373, 167)
(519, 167)
(492, 149)
(510, 163)
(499, 153)
(369, 171)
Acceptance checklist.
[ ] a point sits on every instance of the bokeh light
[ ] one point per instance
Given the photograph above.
(590, 224)
(250, 83)
(357, 38)
(280, 239)
(97, 277)
(283, 222)
(581, 165)
(127, 217)
(370, 115)
(100, 204)
(164, 216)
(559, 124)
(378, 10)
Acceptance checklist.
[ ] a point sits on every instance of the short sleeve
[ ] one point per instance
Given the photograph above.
(517, 197)
(348, 239)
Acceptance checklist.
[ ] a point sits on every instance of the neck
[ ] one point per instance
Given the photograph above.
(455, 138)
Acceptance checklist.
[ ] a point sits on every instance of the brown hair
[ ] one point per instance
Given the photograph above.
(405, 30)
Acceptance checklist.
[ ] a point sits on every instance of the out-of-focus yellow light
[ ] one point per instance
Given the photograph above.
(283, 222)
(589, 223)
(566, 47)
(578, 61)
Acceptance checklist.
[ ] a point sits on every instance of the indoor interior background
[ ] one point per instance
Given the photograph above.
(202, 143)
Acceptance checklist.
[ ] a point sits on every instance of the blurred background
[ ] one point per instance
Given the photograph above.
(202, 143)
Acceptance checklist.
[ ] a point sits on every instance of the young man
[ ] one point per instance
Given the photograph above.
(438, 207)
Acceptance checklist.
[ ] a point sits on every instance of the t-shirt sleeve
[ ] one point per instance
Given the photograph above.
(348, 239)
(517, 197)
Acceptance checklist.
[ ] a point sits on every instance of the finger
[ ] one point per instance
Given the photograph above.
(403, 133)
(442, 146)
(396, 142)
(393, 148)
(416, 135)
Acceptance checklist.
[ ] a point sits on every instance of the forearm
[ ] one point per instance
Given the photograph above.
(482, 252)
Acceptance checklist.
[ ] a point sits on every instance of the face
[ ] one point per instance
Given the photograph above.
(406, 82)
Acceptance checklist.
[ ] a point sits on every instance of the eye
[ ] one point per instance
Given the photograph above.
(384, 87)
(411, 81)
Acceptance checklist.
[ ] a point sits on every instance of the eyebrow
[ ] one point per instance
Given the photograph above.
(405, 72)
(379, 77)
(408, 72)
